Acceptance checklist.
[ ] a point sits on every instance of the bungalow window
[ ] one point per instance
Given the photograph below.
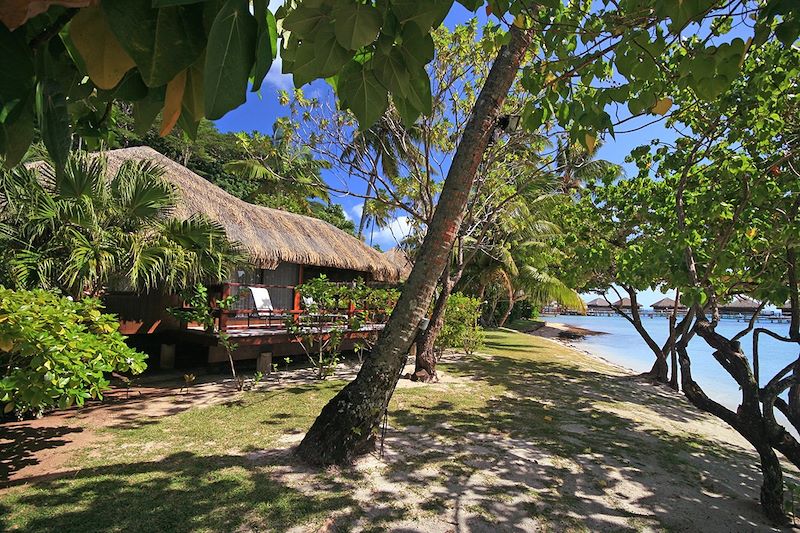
(280, 281)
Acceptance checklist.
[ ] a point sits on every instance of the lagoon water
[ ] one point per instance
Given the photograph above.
(624, 347)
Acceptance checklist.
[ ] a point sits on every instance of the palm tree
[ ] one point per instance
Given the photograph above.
(82, 230)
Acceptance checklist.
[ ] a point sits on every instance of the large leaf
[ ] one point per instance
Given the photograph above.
(425, 15)
(146, 110)
(105, 60)
(419, 92)
(193, 101)
(266, 44)
(51, 110)
(16, 132)
(172, 103)
(356, 24)
(16, 65)
(392, 72)
(162, 42)
(14, 13)
(362, 93)
(304, 20)
(229, 58)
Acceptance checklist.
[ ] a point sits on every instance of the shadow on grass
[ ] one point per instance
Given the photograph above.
(544, 452)
(20, 444)
(182, 492)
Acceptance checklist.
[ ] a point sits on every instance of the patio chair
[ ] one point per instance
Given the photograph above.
(263, 306)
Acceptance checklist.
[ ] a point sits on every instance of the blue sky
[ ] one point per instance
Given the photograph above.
(261, 110)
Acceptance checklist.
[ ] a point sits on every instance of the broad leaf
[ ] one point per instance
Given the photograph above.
(266, 44)
(146, 110)
(392, 72)
(162, 42)
(425, 15)
(363, 94)
(356, 24)
(172, 103)
(16, 64)
(53, 116)
(229, 58)
(16, 132)
(105, 60)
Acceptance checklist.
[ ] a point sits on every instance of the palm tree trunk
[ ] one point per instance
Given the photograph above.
(370, 185)
(347, 424)
(426, 355)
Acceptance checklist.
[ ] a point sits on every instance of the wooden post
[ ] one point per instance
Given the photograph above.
(296, 303)
(223, 316)
(167, 359)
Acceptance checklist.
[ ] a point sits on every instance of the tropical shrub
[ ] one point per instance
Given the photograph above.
(85, 229)
(461, 328)
(57, 352)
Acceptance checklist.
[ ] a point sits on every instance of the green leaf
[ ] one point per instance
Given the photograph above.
(303, 20)
(162, 42)
(17, 131)
(408, 113)
(16, 64)
(418, 47)
(329, 57)
(266, 44)
(419, 92)
(425, 15)
(356, 24)
(392, 72)
(362, 93)
(168, 3)
(146, 110)
(53, 116)
(229, 58)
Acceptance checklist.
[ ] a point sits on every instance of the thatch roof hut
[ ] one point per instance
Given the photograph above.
(625, 303)
(270, 236)
(666, 304)
(598, 303)
(740, 304)
(786, 307)
(399, 259)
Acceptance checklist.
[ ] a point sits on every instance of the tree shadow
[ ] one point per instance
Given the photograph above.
(182, 492)
(20, 444)
(545, 455)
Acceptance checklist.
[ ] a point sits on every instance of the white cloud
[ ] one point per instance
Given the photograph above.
(278, 79)
(357, 210)
(389, 236)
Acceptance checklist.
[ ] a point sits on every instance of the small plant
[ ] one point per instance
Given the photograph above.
(286, 361)
(188, 380)
(257, 377)
(461, 328)
(275, 367)
(229, 346)
(472, 339)
(200, 310)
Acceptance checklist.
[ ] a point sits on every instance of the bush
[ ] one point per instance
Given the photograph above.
(461, 328)
(56, 352)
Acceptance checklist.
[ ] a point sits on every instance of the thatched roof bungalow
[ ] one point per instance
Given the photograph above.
(285, 249)
(401, 260)
(740, 304)
(270, 236)
(625, 303)
(667, 304)
(598, 304)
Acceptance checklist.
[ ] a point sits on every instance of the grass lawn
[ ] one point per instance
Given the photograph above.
(526, 435)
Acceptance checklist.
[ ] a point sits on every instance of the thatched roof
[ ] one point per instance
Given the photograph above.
(740, 303)
(787, 306)
(270, 236)
(625, 302)
(598, 302)
(400, 260)
(667, 303)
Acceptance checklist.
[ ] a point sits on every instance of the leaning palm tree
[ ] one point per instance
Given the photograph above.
(84, 230)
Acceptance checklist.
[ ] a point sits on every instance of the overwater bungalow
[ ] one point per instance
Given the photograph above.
(625, 303)
(741, 305)
(284, 250)
(667, 305)
(598, 305)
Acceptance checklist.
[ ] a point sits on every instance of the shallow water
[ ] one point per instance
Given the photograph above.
(623, 346)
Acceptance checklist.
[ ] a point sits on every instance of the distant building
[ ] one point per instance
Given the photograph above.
(625, 303)
(667, 305)
(739, 305)
(598, 304)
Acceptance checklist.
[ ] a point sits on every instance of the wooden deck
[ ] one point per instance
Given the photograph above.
(259, 336)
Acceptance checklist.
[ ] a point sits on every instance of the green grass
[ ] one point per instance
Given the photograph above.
(210, 469)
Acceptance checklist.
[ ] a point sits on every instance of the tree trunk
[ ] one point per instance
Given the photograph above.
(771, 485)
(345, 428)
(426, 355)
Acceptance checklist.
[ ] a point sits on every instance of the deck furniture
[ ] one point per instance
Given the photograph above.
(263, 306)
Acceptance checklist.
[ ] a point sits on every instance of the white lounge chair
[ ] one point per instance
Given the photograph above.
(263, 305)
